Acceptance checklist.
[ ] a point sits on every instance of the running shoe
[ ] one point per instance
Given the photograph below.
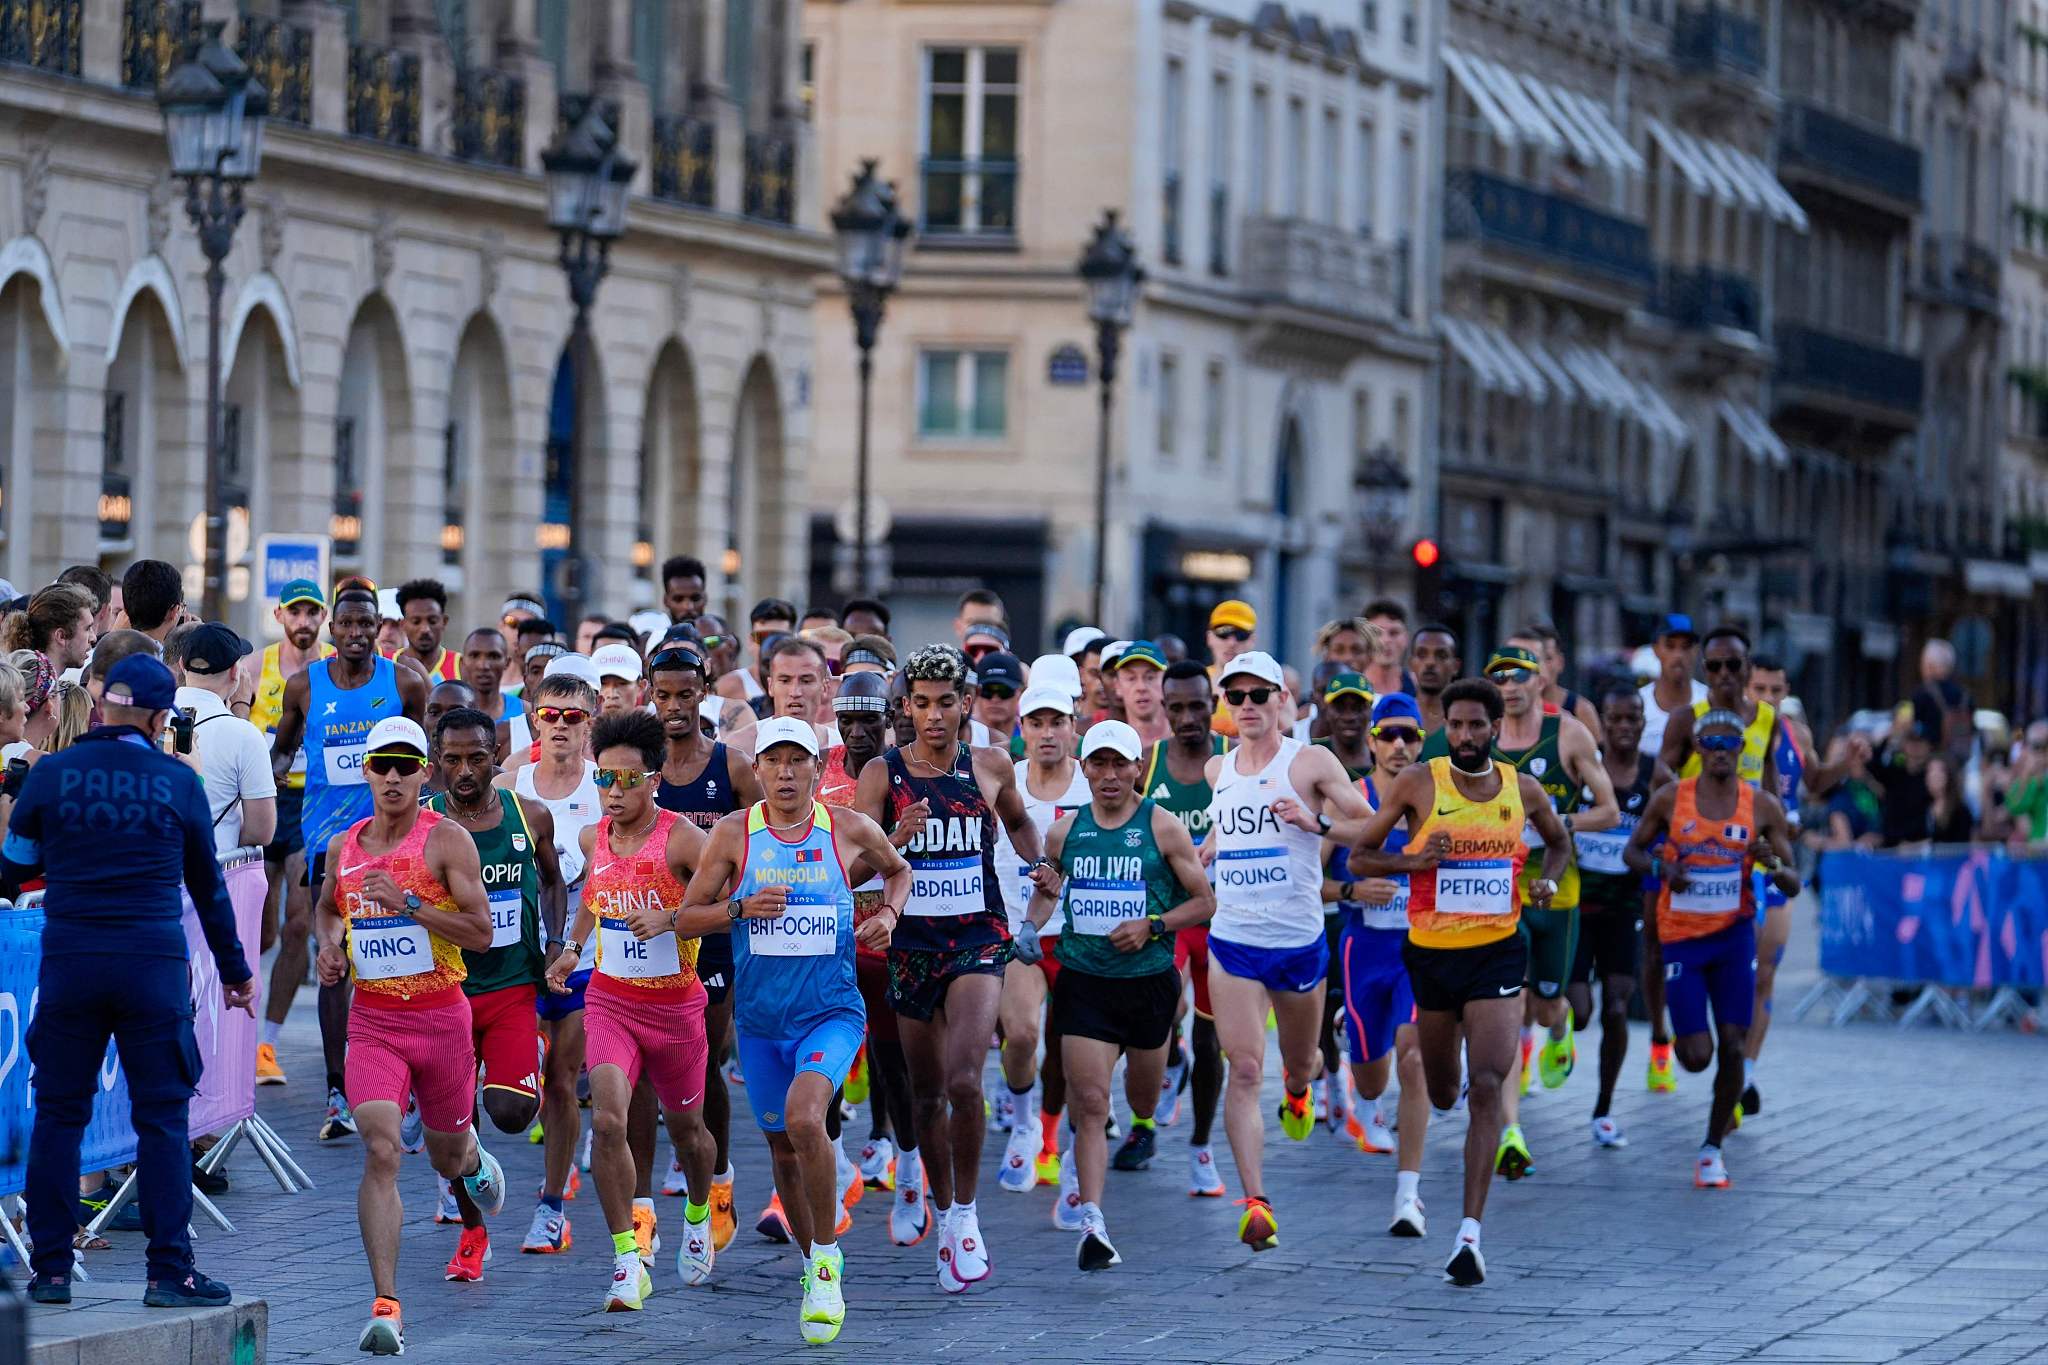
(268, 1072)
(851, 1186)
(630, 1285)
(1204, 1180)
(1110, 1129)
(1047, 1165)
(949, 1281)
(486, 1185)
(1559, 1055)
(910, 1218)
(874, 1160)
(1709, 1172)
(1607, 1133)
(447, 1211)
(1735, 1117)
(970, 1252)
(1095, 1251)
(470, 1254)
(1297, 1115)
(1528, 1044)
(1407, 1220)
(644, 1233)
(340, 1121)
(1512, 1158)
(1321, 1090)
(1019, 1172)
(1338, 1110)
(674, 1181)
(824, 1308)
(773, 1222)
(1258, 1229)
(549, 1233)
(695, 1257)
(857, 1078)
(1466, 1266)
(1066, 1210)
(1373, 1135)
(1175, 1081)
(583, 1156)
(844, 1225)
(1662, 1079)
(1752, 1102)
(1138, 1150)
(1004, 1119)
(571, 1185)
(384, 1334)
(537, 1134)
(732, 1072)
(723, 1225)
(412, 1130)
(190, 1290)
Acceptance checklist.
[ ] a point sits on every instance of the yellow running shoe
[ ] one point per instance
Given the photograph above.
(857, 1079)
(1048, 1168)
(723, 1224)
(1558, 1057)
(1512, 1157)
(1662, 1080)
(1297, 1115)
(824, 1310)
(1258, 1229)
(1527, 1047)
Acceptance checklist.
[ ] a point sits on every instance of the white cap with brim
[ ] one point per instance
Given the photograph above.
(648, 622)
(577, 666)
(785, 730)
(1079, 638)
(1056, 670)
(396, 732)
(617, 661)
(1114, 736)
(711, 709)
(1041, 697)
(1255, 663)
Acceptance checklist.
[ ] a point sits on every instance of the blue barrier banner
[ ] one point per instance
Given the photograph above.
(1970, 917)
(109, 1137)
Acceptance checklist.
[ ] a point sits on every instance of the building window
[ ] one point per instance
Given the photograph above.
(1169, 404)
(1361, 426)
(1297, 159)
(1368, 171)
(1369, 16)
(1326, 189)
(807, 81)
(1261, 149)
(452, 529)
(115, 489)
(1174, 115)
(1212, 415)
(1219, 176)
(1411, 23)
(1401, 432)
(969, 146)
(963, 394)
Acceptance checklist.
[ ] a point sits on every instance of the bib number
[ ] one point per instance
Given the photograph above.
(1476, 886)
(1392, 915)
(1251, 871)
(344, 763)
(621, 955)
(1710, 889)
(947, 886)
(1096, 907)
(1600, 851)
(505, 907)
(384, 947)
(803, 929)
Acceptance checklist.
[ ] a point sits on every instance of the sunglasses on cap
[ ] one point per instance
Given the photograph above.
(397, 761)
(1718, 744)
(1722, 665)
(998, 691)
(675, 657)
(1500, 677)
(1257, 696)
(623, 778)
(1229, 633)
(1397, 734)
(561, 715)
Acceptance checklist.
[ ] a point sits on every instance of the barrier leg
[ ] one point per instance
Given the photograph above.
(217, 1155)
(206, 1206)
(1936, 1002)
(270, 1160)
(1853, 1002)
(1823, 990)
(13, 1233)
(106, 1215)
(276, 1148)
(2007, 1004)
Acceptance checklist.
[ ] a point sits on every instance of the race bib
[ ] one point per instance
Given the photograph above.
(1392, 915)
(947, 886)
(621, 955)
(1250, 871)
(1600, 851)
(1095, 907)
(382, 947)
(505, 906)
(1710, 889)
(1475, 886)
(344, 763)
(803, 929)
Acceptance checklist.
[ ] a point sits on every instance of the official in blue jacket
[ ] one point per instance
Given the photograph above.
(115, 826)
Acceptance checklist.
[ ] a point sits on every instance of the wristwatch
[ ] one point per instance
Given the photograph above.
(1544, 881)
(1323, 821)
(412, 903)
(1347, 891)
(1158, 923)
(573, 945)
(733, 910)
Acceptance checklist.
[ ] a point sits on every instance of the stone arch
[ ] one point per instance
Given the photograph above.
(574, 488)
(672, 467)
(150, 445)
(28, 256)
(151, 276)
(32, 357)
(372, 431)
(262, 293)
(478, 478)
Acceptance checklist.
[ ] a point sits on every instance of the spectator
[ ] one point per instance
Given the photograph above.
(72, 705)
(1948, 818)
(153, 594)
(1941, 706)
(106, 595)
(234, 756)
(1385, 673)
(865, 616)
(39, 718)
(110, 651)
(2026, 800)
(1899, 771)
(1855, 810)
(58, 622)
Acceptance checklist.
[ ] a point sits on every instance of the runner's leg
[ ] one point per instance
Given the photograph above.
(1492, 1045)
(1240, 1019)
(1090, 1062)
(970, 1008)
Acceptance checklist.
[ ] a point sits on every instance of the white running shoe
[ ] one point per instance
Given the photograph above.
(1066, 1210)
(412, 1130)
(1095, 1251)
(549, 1232)
(583, 1156)
(1466, 1266)
(630, 1284)
(1407, 1220)
(910, 1217)
(1019, 1173)
(970, 1252)
(674, 1182)
(1607, 1133)
(1204, 1180)
(849, 1177)
(824, 1307)
(1709, 1172)
(1322, 1089)
(949, 1279)
(447, 1210)
(874, 1161)
(1005, 1118)
(487, 1186)
(1168, 1112)
(695, 1256)
(1377, 1139)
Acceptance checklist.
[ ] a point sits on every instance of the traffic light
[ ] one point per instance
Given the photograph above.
(1429, 580)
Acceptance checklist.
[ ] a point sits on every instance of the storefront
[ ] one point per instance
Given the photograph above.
(928, 562)
(1186, 573)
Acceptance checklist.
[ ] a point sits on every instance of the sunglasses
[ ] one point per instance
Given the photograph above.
(1718, 744)
(623, 778)
(1397, 734)
(405, 765)
(1722, 665)
(998, 691)
(1230, 633)
(1501, 677)
(675, 658)
(1257, 696)
(715, 641)
(561, 715)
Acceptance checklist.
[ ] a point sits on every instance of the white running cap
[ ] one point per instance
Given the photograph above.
(1056, 670)
(575, 665)
(396, 732)
(617, 660)
(785, 730)
(1114, 736)
(1255, 663)
(1041, 697)
(1079, 638)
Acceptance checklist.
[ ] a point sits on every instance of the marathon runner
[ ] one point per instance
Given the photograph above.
(1176, 778)
(301, 611)
(1674, 688)
(423, 603)
(563, 780)
(405, 900)
(946, 958)
(1466, 961)
(485, 656)
(1715, 828)
(644, 1008)
(522, 880)
(1541, 639)
(1052, 783)
(1347, 705)
(1132, 878)
(703, 781)
(1611, 902)
(1346, 714)
(1433, 659)
(442, 697)
(777, 876)
(682, 587)
(1273, 796)
(1139, 678)
(1379, 1003)
(324, 718)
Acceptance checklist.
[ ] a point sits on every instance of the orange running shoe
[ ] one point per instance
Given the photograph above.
(773, 1223)
(723, 1224)
(384, 1335)
(268, 1072)
(470, 1254)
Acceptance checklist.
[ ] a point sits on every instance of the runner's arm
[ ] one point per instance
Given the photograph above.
(453, 861)
(871, 792)
(327, 924)
(997, 778)
(1557, 840)
(1588, 715)
(291, 724)
(1178, 849)
(1043, 902)
(703, 910)
(686, 848)
(554, 892)
(1677, 746)
(1364, 834)
(877, 857)
(746, 788)
(1776, 833)
(412, 697)
(1582, 761)
(1649, 832)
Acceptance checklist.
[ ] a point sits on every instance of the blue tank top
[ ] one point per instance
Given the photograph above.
(1393, 915)
(1791, 766)
(338, 722)
(796, 969)
(705, 798)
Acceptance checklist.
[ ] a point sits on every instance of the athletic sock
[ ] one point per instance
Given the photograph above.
(625, 1243)
(693, 1212)
(271, 1030)
(1749, 1071)
(1137, 1122)
(821, 1251)
(1407, 1184)
(724, 1177)
(553, 1201)
(1049, 1132)
(1468, 1231)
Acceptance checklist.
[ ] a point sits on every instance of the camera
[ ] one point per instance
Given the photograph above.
(10, 781)
(180, 729)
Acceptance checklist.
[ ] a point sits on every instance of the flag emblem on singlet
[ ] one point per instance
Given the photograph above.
(810, 855)
(815, 1057)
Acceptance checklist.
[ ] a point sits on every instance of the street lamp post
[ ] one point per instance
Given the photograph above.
(213, 112)
(1110, 266)
(872, 234)
(588, 177)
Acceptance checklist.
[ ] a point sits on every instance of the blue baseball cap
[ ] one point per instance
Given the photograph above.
(301, 590)
(1396, 706)
(142, 680)
(1677, 623)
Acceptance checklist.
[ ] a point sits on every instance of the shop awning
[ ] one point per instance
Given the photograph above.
(1727, 173)
(1499, 364)
(1608, 387)
(1753, 433)
(1521, 109)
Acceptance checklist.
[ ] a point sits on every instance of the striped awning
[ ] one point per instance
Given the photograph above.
(1727, 174)
(1753, 433)
(1567, 374)
(1521, 109)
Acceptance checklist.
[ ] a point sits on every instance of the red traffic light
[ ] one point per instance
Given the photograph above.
(1426, 554)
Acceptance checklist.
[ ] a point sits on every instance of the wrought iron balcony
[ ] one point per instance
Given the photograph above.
(1959, 271)
(1496, 211)
(44, 34)
(490, 117)
(1711, 40)
(384, 94)
(1837, 367)
(1316, 266)
(1858, 156)
(686, 160)
(1699, 297)
(154, 35)
(281, 56)
(770, 185)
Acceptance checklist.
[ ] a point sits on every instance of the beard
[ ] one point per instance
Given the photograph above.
(1471, 760)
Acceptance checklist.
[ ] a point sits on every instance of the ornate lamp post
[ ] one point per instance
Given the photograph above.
(872, 235)
(1110, 266)
(213, 112)
(588, 178)
(1385, 484)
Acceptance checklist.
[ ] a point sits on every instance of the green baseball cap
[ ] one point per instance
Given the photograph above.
(1348, 685)
(301, 590)
(1141, 652)
(1506, 657)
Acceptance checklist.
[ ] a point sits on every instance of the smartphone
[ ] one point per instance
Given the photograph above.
(180, 729)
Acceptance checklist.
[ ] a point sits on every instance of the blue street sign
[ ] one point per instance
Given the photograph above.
(282, 558)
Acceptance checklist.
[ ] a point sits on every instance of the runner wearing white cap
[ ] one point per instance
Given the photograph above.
(621, 678)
